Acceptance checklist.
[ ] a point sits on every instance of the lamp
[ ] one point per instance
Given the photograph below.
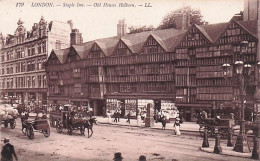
(239, 67)
(226, 68)
(243, 74)
(243, 46)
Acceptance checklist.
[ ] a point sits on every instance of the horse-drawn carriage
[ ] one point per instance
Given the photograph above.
(214, 126)
(71, 122)
(39, 124)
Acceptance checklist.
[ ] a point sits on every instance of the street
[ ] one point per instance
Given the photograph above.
(106, 140)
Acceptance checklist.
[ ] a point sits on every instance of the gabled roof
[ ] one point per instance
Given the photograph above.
(83, 49)
(62, 54)
(128, 44)
(135, 40)
(214, 31)
(250, 26)
(167, 38)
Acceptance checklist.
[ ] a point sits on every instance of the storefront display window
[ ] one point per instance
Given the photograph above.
(130, 105)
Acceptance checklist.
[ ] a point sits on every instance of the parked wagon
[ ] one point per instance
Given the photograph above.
(39, 124)
(8, 115)
(70, 122)
(214, 126)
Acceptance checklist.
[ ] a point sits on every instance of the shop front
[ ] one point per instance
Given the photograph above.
(191, 112)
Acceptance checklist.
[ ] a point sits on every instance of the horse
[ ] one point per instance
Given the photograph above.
(89, 125)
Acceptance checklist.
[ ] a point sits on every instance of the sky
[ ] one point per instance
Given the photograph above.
(96, 22)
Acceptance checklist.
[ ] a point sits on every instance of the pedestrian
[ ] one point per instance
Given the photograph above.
(119, 114)
(128, 117)
(8, 151)
(142, 158)
(115, 115)
(177, 126)
(118, 156)
(163, 122)
(109, 116)
(138, 118)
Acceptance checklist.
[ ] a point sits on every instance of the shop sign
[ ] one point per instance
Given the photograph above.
(130, 105)
(169, 109)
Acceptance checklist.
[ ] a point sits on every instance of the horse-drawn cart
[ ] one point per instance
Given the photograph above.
(40, 124)
(70, 122)
(214, 126)
(8, 115)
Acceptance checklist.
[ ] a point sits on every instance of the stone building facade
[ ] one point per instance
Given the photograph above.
(23, 57)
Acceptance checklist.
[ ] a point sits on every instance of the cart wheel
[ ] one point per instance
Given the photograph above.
(70, 130)
(46, 132)
(30, 132)
(51, 122)
(223, 133)
(82, 130)
(12, 124)
(24, 130)
(6, 124)
(59, 127)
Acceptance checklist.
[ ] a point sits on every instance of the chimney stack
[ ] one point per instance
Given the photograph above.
(182, 20)
(75, 37)
(121, 28)
(71, 24)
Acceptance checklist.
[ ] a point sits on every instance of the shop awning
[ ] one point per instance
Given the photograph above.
(193, 105)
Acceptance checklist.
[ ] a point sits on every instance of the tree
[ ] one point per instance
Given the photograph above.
(135, 29)
(193, 16)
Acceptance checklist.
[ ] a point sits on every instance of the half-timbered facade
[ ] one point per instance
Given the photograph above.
(181, 67)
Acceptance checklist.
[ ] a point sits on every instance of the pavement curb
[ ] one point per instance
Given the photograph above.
(143, 127)
(230, 152)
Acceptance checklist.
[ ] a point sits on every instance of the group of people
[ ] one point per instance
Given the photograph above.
(176, 125)
(117, 115)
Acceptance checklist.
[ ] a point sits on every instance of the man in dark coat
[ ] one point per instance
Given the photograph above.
(8, 151)
(163, 122)
(128, 117)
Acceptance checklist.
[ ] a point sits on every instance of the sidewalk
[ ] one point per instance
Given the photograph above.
(185, 126)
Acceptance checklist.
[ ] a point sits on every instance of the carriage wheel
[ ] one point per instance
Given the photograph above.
(59, 127)
(82, 130)
(46, 132)
(24, 130)
(70, 130)
(6, 124)
(12, 124)
(51, 122)
(30, 132)
(223, 133)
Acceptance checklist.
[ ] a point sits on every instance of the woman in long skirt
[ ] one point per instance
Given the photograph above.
(177, 126)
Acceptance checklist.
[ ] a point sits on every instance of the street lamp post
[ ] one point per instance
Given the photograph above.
(242, 72)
